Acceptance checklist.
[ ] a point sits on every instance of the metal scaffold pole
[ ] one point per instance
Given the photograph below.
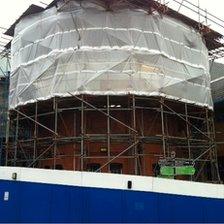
(134, 135)
(16, 139)
(82, 134)
(7, 139)
(162, 127)
(108, 130)
(188, 132)
(35, 134)
(55, 130)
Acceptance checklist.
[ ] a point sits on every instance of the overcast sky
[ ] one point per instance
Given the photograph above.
(10, 10)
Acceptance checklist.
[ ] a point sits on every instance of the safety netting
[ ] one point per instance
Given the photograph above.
(85, 49)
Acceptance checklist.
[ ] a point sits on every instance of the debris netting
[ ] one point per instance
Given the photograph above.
(84, 49)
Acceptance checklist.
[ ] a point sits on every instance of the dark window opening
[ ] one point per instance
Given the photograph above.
(46, 167)
(93, 167)
(116, 168)
(59, 167)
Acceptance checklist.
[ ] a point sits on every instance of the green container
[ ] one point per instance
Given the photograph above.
(185, 170)
(167, 171)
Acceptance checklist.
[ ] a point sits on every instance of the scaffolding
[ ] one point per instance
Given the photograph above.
(136, 130)
(42, 128)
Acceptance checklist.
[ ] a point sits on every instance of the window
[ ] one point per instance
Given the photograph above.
(59, 167)
(116, 167)
(46, 167)
(93, 167)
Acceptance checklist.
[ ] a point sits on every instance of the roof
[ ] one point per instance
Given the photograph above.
(211, 37)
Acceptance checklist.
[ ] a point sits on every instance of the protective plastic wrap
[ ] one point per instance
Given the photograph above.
(88, 50)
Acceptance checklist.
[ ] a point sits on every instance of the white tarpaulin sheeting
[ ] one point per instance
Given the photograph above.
(87, 50)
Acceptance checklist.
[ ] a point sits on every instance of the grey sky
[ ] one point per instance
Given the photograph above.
(11, 9)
